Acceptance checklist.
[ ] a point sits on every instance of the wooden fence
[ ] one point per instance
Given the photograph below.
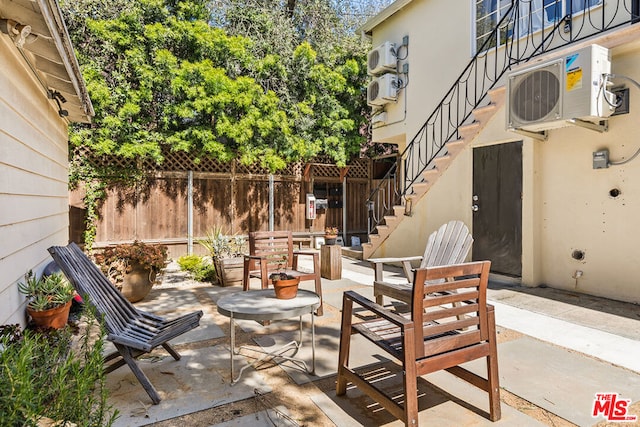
(232, 196)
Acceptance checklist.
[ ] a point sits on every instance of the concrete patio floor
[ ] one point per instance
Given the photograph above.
(556, 351)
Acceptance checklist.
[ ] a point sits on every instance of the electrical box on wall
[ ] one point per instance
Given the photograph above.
(310, 207)
(601, 159)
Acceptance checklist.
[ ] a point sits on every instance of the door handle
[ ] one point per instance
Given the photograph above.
(475, 208)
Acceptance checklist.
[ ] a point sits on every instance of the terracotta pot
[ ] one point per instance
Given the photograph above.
(137, 283)
(330, 239)
(286, 288)
(53, 318)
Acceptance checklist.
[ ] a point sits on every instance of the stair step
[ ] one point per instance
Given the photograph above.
(483, 114)
(468, 132)
(398, 210)
(498, 95)
(455, 147)
(443, 162)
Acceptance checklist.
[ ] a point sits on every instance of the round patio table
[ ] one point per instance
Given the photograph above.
(263, 305)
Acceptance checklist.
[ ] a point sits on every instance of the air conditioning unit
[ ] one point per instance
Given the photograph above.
(381, 59)
(548, 95)
(383, 89)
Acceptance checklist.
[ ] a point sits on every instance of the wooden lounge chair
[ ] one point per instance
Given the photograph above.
(133, 332)
(273, 250)
(450, 244)
(437, 336)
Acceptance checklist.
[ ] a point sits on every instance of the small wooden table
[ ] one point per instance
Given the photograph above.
(331, 262)
(263, 305)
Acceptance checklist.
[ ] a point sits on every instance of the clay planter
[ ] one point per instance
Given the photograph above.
(137, 283)
(53, 318)
(286, 288)
(330, 239)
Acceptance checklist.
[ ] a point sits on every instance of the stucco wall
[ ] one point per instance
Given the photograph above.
(567, 205)
(438, 52)
(439, 49)
(33, 179)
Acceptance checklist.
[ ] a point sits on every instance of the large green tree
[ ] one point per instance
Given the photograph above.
(160, 75)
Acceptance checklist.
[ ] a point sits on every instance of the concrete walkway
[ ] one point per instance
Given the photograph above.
(573, 347)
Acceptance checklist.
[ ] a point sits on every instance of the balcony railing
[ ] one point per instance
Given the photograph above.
(516, 38)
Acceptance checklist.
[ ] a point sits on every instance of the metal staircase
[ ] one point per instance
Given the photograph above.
(475, 97)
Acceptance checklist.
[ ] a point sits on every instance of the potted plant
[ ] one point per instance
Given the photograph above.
(226, 252)
(49, 299)
(132, 267)
(285, 285)
(330, 235)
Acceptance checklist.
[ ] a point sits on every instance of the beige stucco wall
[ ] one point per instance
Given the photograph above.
(438, 51)
(566, 204)
(33, 179)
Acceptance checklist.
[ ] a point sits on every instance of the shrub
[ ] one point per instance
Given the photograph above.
(44, 375)
(201, 268)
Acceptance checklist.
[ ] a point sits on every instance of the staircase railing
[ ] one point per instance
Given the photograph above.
(515, 39)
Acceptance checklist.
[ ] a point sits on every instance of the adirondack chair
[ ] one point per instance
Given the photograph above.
(438, 335)
(133, 332)
(273, 250)
(450, 244)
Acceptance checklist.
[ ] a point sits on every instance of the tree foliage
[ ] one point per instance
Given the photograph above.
(271, 86)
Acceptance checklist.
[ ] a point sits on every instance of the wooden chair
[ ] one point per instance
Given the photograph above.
(133, 332)
(436, 336)
(273, 250)
(450, 244)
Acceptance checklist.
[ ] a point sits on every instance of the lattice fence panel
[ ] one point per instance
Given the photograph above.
(180, 161)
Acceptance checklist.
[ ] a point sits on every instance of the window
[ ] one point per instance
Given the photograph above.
(533, 15)
(488, 14)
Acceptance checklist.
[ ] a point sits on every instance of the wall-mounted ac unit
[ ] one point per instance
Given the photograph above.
(547, 95)
(383, 89)
(382, 59)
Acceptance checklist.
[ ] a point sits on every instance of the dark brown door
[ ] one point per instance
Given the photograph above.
(497, 206)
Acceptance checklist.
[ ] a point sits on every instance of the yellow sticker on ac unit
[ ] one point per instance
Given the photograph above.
(574, 79)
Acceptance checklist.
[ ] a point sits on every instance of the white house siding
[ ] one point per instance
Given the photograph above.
(33, 179)
(566, 204)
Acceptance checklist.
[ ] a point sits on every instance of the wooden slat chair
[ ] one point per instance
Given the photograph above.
(450, 244)
(133, 332)
(271, 251)
(438, 335)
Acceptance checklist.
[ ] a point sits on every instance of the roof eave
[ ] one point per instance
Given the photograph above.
(386, 13)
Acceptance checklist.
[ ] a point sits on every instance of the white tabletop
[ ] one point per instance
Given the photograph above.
(263, 305)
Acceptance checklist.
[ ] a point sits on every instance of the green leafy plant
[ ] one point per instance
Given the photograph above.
(220, 245)
(54, 375)
(201, 268)
(280, 274)
(47, 292)
(116, 261)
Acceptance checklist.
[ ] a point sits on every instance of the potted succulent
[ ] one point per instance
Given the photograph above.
(285, 285)
(330, 235)
(132, 267)
(226, 253)
(49, 299)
